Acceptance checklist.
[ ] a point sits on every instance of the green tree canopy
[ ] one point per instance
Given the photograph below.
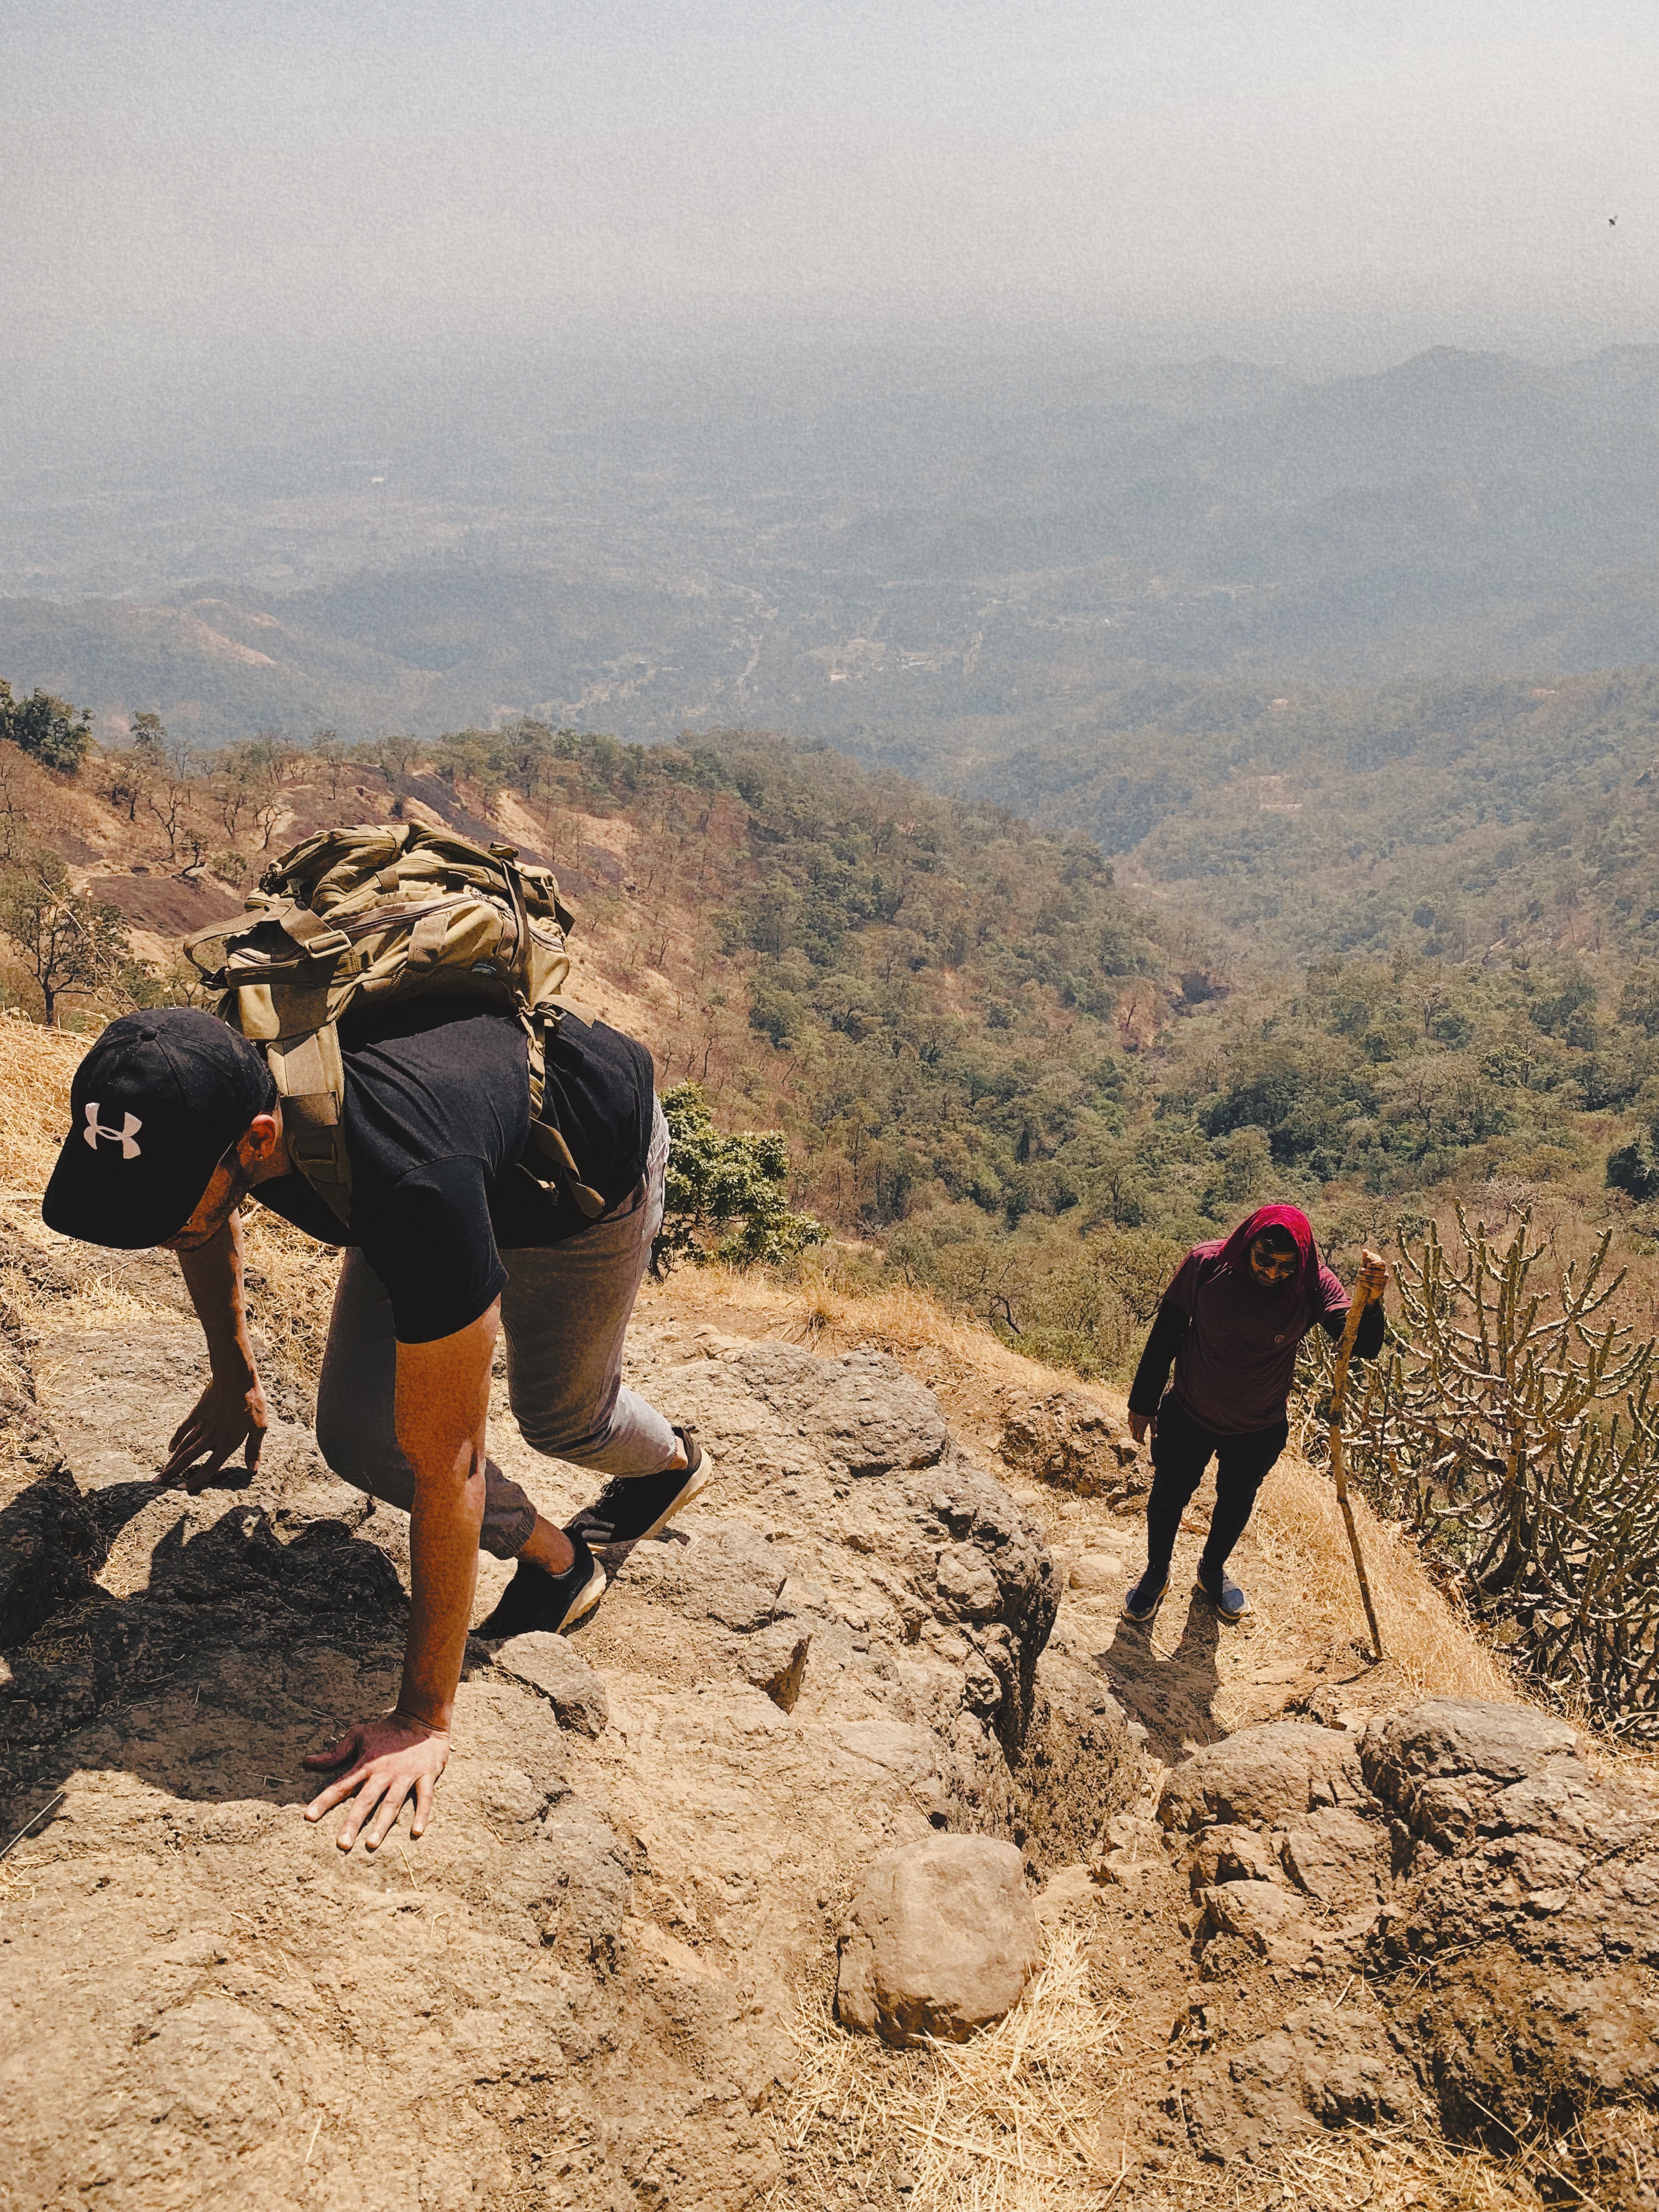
(725, 1195)
(48, 728)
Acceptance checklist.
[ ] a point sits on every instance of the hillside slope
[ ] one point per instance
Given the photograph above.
(935, 1001)
(1515, 814)
(601, 1976)
(1001, 1075)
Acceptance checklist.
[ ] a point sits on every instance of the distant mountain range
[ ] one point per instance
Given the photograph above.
(922, 573)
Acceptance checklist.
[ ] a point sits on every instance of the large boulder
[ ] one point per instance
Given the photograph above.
(941, 1940)
(870, 1417)
(1441, 1764)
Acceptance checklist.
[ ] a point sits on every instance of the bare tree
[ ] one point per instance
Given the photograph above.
(233, 795)
(195, 844)
(128, 781)
(277, 755)
(334, 755)
(70, 943)
(169, 802)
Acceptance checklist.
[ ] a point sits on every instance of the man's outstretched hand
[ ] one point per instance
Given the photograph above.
(229, 1416)
(386, 1761)
(1373, 1273)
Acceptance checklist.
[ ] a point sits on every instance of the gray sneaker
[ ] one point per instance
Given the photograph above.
(1223, 1592)
(1145, 1599)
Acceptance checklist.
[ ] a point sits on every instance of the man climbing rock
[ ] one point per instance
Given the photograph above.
(175, 1120)
(1231, 1322)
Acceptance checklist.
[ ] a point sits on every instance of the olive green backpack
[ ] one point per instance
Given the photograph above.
(375, 915)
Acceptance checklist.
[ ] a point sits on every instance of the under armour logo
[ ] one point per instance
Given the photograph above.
(126, 1136)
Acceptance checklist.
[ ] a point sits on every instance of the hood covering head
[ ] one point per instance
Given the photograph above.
(1292, 1223)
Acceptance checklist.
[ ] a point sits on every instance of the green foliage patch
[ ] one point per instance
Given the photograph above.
(47, 728)
(725, 1196)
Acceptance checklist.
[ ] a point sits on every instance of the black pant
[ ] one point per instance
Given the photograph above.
(1180, 1452)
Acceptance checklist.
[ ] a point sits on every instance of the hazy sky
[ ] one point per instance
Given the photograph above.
(1326, 184)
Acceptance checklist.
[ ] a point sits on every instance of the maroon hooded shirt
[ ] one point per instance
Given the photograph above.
(1236, 1359)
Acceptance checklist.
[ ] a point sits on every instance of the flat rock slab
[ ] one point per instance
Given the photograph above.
(1267, 1776)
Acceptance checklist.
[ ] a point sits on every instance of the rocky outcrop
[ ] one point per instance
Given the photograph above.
(553, 1665)
(848, 1516)
(1440, 1765)
(1069, 1441)
(1327, 2065)
(941, 1940)
(1533, 1907)
(1500, 1900)
(577, 1986)
(1264, 1778)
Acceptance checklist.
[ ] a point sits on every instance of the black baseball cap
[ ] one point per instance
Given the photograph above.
(154, 1106)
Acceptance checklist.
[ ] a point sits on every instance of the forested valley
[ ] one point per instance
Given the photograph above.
(1011, 1066)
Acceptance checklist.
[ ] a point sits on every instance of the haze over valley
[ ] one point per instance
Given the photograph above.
(971, 561)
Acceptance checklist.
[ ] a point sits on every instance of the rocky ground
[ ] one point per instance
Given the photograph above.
(587, 1986)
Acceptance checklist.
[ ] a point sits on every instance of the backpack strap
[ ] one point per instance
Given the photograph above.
(310, 1078)
(546, 1138)
(550, 1143)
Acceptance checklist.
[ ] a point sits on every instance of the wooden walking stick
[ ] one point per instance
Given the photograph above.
(1362, 1295)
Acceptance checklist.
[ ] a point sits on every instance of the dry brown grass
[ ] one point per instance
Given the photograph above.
(1012, 2121)
(1367, 2170)
(812, 1308)
(1008, 2122)
(37, 1066)
(1430, 1649)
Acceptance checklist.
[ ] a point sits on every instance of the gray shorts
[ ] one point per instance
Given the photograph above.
(564, 1314)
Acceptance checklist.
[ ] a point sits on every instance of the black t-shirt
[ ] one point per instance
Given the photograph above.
(437, 1117)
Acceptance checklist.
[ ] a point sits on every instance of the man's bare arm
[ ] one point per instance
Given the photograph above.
(442, 1402)
(230, 1414)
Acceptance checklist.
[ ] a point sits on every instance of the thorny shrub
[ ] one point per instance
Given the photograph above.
(1512, 1428)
